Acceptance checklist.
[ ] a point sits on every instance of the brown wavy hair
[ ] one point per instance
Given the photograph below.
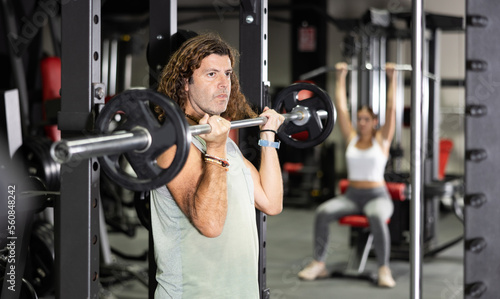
(187, 59)
(369, 110)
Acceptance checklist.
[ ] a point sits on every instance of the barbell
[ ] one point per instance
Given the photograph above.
(128, 131)
(397, 67)
(367, 67)
(370, 67)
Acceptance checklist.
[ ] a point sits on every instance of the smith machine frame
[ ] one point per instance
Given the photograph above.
(482, 141)
(77, 212)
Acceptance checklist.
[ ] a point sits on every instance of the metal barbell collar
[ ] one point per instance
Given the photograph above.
(140, 140)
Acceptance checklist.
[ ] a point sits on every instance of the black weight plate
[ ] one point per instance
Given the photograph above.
(129, 110)
(34, 157)
(316, 130)
(51, 168)
(143, 208)
(41, 252)
(27, 290)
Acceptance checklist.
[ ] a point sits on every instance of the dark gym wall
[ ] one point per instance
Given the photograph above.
(309, 38)
(26, 44)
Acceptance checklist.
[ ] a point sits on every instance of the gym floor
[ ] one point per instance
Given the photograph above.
(289, 248)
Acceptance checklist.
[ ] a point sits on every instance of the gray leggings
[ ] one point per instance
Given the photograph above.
(375, 203)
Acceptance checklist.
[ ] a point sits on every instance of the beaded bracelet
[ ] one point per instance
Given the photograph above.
(216, 160)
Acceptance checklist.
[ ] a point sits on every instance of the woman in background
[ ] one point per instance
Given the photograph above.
(366, 157)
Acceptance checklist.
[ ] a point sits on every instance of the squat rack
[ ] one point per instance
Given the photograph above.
(482, 141)
(77, 212)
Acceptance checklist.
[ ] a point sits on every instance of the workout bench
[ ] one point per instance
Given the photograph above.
(361, 237)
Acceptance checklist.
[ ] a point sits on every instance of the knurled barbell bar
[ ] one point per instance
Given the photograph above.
(132, 132)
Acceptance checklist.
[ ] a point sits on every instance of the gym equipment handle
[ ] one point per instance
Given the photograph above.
(139, 139)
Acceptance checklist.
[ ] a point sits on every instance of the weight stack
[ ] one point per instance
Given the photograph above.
(482, 141)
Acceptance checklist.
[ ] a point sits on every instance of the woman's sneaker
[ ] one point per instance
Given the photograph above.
(385, 277)
(314, 270)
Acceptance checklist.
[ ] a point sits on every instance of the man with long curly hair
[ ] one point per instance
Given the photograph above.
(203, 221)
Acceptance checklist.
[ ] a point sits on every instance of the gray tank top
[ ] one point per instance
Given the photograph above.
(191, 265)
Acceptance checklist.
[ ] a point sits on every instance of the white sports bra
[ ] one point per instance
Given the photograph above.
(365, 164)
